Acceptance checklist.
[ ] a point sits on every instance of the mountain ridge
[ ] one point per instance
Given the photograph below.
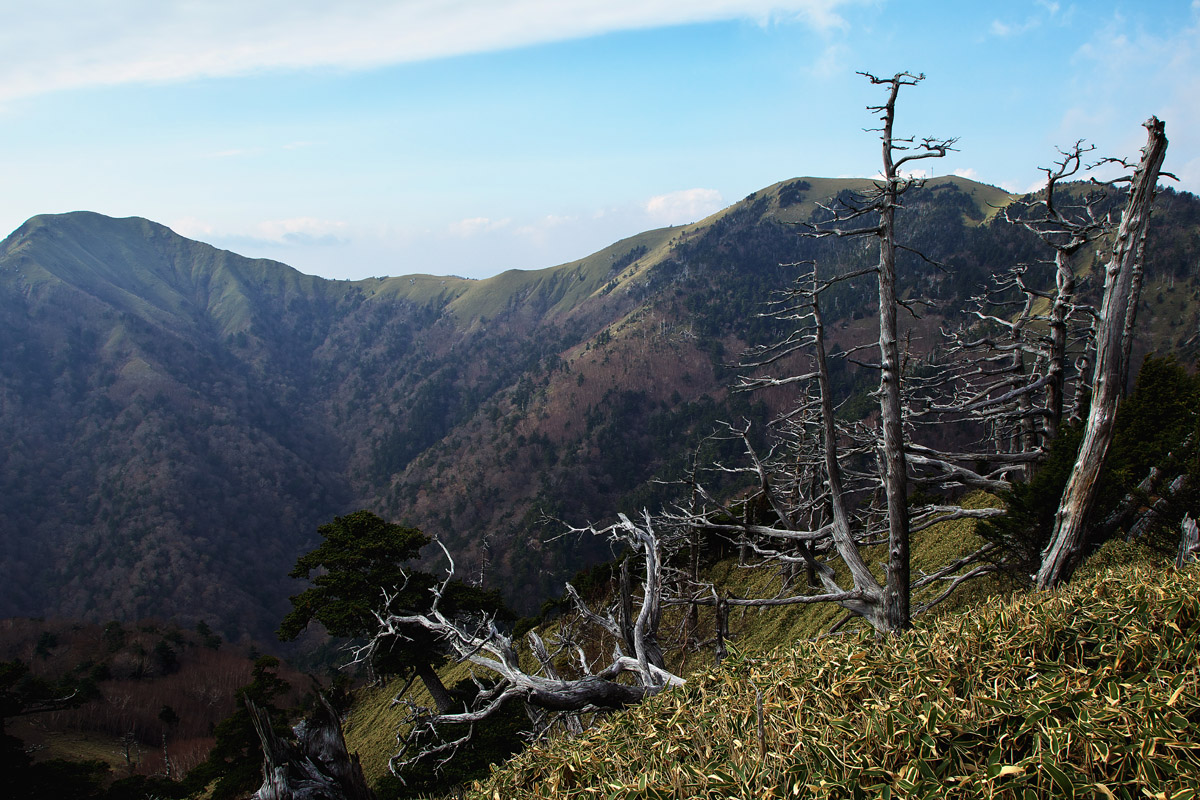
(177, 432)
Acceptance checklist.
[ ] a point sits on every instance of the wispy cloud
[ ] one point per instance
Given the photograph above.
(192, 228)
(546, 227)
(1004, 29)
(62, 44)
(293, 232)
(1132, 73)
(687, 205)
(303, 230)
(474, 226)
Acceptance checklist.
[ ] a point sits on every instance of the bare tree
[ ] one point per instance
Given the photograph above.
(484, 645)
(819, 490)
(827, 488)
(1114, 333)
(1010, 370)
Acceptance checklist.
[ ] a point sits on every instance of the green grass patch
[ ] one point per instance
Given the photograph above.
(1092, 691)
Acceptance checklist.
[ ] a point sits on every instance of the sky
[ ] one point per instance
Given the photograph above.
(466, 137)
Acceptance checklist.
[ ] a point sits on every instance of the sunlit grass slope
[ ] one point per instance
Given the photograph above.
(373, 722)
(1089, 691)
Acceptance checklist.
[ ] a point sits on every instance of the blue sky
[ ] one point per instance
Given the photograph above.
(467, 137)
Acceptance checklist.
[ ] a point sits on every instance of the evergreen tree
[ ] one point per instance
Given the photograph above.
(362, 557)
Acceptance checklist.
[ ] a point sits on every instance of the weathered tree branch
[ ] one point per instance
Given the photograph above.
(1122, 283)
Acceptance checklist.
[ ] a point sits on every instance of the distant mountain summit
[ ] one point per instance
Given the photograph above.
(179, 419)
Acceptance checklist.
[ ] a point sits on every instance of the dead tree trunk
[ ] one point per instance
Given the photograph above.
(435, 687)
(316, 767)
(1122, 283)
(482, 644)
(722, 623)
(1189, 542)
(843, 513)
(895, 470)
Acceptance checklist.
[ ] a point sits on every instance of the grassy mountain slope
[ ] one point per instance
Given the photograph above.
(1091, 690)
(753, 632)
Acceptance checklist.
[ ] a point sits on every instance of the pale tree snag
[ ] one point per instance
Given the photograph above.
(895, 477)
(482, 644)
(1066, 236)
(1009, 371)
(1189, 542)
(897, 153)
(1122, 284)
(316, 766)
(827, 488)
(816, 505)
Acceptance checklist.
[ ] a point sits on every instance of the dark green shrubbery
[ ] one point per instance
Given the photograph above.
(1157, 428)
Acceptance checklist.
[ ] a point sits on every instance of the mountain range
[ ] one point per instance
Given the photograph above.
(179, 419)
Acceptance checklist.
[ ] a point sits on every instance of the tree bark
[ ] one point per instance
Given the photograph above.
(316, 767)
(722, 623)
(1056, 370)
(1122, 282)
(435, 687)
(1189, 542)
(895, 470)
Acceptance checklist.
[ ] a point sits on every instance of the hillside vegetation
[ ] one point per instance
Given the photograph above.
(179, 419)
(142, 687)
(374, 721)
(1092, 690)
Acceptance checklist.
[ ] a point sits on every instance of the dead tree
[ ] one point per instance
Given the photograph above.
(636, 654)
(828, 488)
(1066, 231)
(890, 612)
(1189, 542)
(1114, 332)
(1009, 370)
(316, 766)
(820, 486)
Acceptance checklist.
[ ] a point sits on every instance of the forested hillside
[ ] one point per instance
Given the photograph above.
(178, 419)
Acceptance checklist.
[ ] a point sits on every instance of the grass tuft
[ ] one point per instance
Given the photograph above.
(1091, 691)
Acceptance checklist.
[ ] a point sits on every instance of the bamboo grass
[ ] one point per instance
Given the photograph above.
(1092, 690)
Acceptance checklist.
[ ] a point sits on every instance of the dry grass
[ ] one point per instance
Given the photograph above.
(755, 632)
(1090, 691)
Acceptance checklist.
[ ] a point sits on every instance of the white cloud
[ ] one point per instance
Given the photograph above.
(192, 228)
(301, 231)
(547, 227)
(297, 231)
(833, 60)
(1132, 73)
(61, 44)
(684, 206)
(474, 226)
(968, 173)
(1003, 29)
